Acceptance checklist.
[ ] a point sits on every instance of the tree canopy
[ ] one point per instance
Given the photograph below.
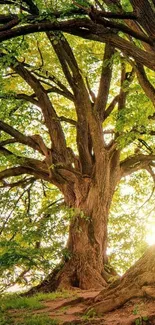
(76, 121)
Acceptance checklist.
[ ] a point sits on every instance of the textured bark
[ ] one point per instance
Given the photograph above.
(83, 267)
(138, 281)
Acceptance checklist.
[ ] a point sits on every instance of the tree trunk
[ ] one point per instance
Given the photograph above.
(84, 265)
(87, 245)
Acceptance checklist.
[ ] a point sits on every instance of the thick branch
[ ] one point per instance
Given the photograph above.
(33, 8)
(58, 91)
(91, 93)
(50, 116)
(123, 93)
(145, 14)
(111, 106)
(81, 98)
(88, 125)
(115, 15)
(34, 164)
(23, 96)
(68, 120)
(97, 15)
(151, 172)
(73, 11)
(136, 162)
(40, 169)
(9, 25)
(27, 140)
(62, 90)
(145, 83)
(133, 25)
(8, 141)
(88, 30)
(4, 19)
(67, 60)
(23, 182)
(104, 36)
(16, 171)
(104, 86)
(5, 151)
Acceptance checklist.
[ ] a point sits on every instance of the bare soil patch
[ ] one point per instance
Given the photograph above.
(73, 311)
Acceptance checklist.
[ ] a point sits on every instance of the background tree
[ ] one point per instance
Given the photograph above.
(101, 95)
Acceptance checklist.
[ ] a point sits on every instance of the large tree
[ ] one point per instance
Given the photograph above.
(112, 115)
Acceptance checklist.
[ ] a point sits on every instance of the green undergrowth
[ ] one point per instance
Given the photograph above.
(15, 301)
(37, 320)
(28, 319)
(10, 303)
(54, 295)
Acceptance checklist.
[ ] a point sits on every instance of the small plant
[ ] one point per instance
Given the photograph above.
(140, 319)
(89, 314)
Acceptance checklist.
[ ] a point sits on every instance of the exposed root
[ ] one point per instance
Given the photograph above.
(75, 273)
(138, 281)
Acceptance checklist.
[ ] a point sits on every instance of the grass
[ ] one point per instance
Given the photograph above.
(12, 302)
(17, 302)
(40, 319)
(53, 295)
(4, 319)
(37, 320)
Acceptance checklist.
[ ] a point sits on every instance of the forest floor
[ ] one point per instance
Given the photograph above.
(73, 310)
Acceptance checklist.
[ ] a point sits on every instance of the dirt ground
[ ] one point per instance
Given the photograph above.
(73, 311)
